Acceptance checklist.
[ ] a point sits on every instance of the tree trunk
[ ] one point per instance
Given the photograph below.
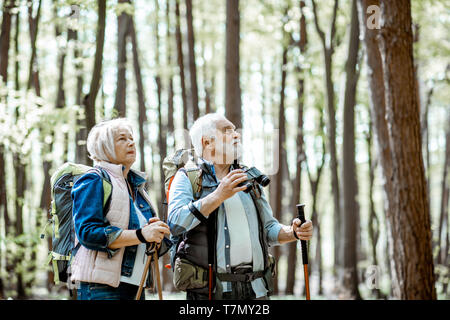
(292, 247)
(33, 73)
(180, 59)
(5, 36)
(282, 153)
(409, 225)
(161, 128)
(443, 216)
(425, 133)
(378, 107)
(81, 133)
(167, 274)
(208, 82)
(89, 99)
(19, 262)
(350, 185)
(170, 108)
(373, 225)
(232, 85)
(328, 50)
(142, 119)
(4, 58)
(19, 168)
(192, 64)
(123, 31)
(314, 185)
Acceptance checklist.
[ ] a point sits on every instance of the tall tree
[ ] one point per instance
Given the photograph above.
(33, 23)
(5, 36)
(445, 191)
(192, 64)
(296, 183)
(162, 143)
(123, 31)
(232, 83)
(166, 274)
(350, 216)
(373, 224)
(81, 132)
(409, 225)
(180, 60)
(329, 44)
(170, 105)
(281, 143)
(314, 183)
(89, 99)
(377, 102)
(142, 118)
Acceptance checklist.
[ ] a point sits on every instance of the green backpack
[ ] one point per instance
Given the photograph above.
(63, 233)
(182, 159)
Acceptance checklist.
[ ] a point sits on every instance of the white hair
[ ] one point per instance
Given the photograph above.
(100, 141)
(204, 126)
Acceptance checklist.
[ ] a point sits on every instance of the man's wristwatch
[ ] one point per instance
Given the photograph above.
(140, 236)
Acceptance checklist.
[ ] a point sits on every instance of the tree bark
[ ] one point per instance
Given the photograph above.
(282, 152)
(409, 225)
(350, 185)
(89, 99)
(180, 60)
(5, 36)
(443, 216)
(142, 119)
(192, 64)
(81, 133)
(33, 72)
(162, 143)
(296, 187)
(232, 85)
(328, 50)
(123, 31)
(314, 185)
(170, 105)
(314, 182)
(378, 107)
(373, 225)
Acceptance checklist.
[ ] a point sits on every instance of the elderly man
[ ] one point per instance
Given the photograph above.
(224, 235)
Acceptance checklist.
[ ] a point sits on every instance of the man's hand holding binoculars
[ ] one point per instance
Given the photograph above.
(227, 188)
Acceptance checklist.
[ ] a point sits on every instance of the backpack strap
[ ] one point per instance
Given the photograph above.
(195, 177)
(107, 187)
(107, 195)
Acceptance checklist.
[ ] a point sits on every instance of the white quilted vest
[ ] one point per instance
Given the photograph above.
(95, 266)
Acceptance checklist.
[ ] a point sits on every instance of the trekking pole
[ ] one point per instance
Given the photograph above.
(152, 247)
(301, 216)
(158, 278)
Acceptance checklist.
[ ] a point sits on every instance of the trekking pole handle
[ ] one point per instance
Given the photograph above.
(301, 216)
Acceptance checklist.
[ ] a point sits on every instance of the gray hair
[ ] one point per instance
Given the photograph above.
(204, 126)
(100, 141)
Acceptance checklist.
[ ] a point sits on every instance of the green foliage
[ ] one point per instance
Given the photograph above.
(29, 124)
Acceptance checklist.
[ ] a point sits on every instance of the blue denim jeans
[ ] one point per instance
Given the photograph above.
(98, 291)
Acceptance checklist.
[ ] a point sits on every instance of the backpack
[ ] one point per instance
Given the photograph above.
(181, 159)
(63, 247)
(185, 160)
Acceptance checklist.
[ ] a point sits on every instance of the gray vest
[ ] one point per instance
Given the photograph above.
(194, 246)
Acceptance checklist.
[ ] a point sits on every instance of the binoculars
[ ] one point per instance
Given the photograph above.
(253, 175)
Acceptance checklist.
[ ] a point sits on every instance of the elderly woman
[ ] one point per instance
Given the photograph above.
(110, 261)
